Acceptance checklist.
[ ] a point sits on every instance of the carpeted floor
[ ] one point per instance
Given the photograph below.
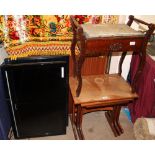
(96, 127)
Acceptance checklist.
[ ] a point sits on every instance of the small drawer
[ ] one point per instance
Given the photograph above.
(114, 45)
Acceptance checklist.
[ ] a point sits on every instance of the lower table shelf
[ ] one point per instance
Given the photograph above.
(99, 92)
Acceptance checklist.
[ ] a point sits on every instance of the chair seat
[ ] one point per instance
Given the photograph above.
(106, 89)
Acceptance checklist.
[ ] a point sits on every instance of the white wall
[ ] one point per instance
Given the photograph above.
(147, 18)
(125, 67)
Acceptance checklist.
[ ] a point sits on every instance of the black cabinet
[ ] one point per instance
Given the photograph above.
(37, 89)
(5, 123)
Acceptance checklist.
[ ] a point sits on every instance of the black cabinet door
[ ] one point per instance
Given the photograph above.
(5, 122)
(38, 98)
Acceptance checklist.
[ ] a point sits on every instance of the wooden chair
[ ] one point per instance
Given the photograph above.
(109, 91)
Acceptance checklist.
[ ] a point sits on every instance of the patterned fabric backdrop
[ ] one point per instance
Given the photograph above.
(17, 29)
(12, 30)
(29, 35)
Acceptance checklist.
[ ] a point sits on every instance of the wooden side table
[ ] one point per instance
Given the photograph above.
(104, 92)
(94, 40)
(99, 93)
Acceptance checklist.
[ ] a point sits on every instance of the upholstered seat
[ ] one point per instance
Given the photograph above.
(108, 30)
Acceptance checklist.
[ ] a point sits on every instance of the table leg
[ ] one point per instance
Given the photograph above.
(73, 127)
(79, 78)
(110, 119)
(113, 120)
(79, 122)
(121, 62)
(118, 109)
(73, 44)
(73, 119)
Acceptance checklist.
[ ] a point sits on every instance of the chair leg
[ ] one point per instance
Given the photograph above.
(79, 122)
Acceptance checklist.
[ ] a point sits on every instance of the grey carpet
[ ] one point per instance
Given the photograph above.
(96, 127)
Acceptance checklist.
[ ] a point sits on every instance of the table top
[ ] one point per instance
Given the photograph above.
(101, 88)
(109, 30)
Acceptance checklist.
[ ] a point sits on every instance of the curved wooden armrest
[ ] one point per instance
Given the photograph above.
(132, 18)
(74, 23)
(76, 27)
(142, 54)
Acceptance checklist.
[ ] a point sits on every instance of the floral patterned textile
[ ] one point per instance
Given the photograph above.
(15, 30)
(12, 30)
(112, 19)
(23, 30)
(40, 48)
(48, 27)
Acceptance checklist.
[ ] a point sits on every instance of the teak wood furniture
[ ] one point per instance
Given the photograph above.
(104, 92)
